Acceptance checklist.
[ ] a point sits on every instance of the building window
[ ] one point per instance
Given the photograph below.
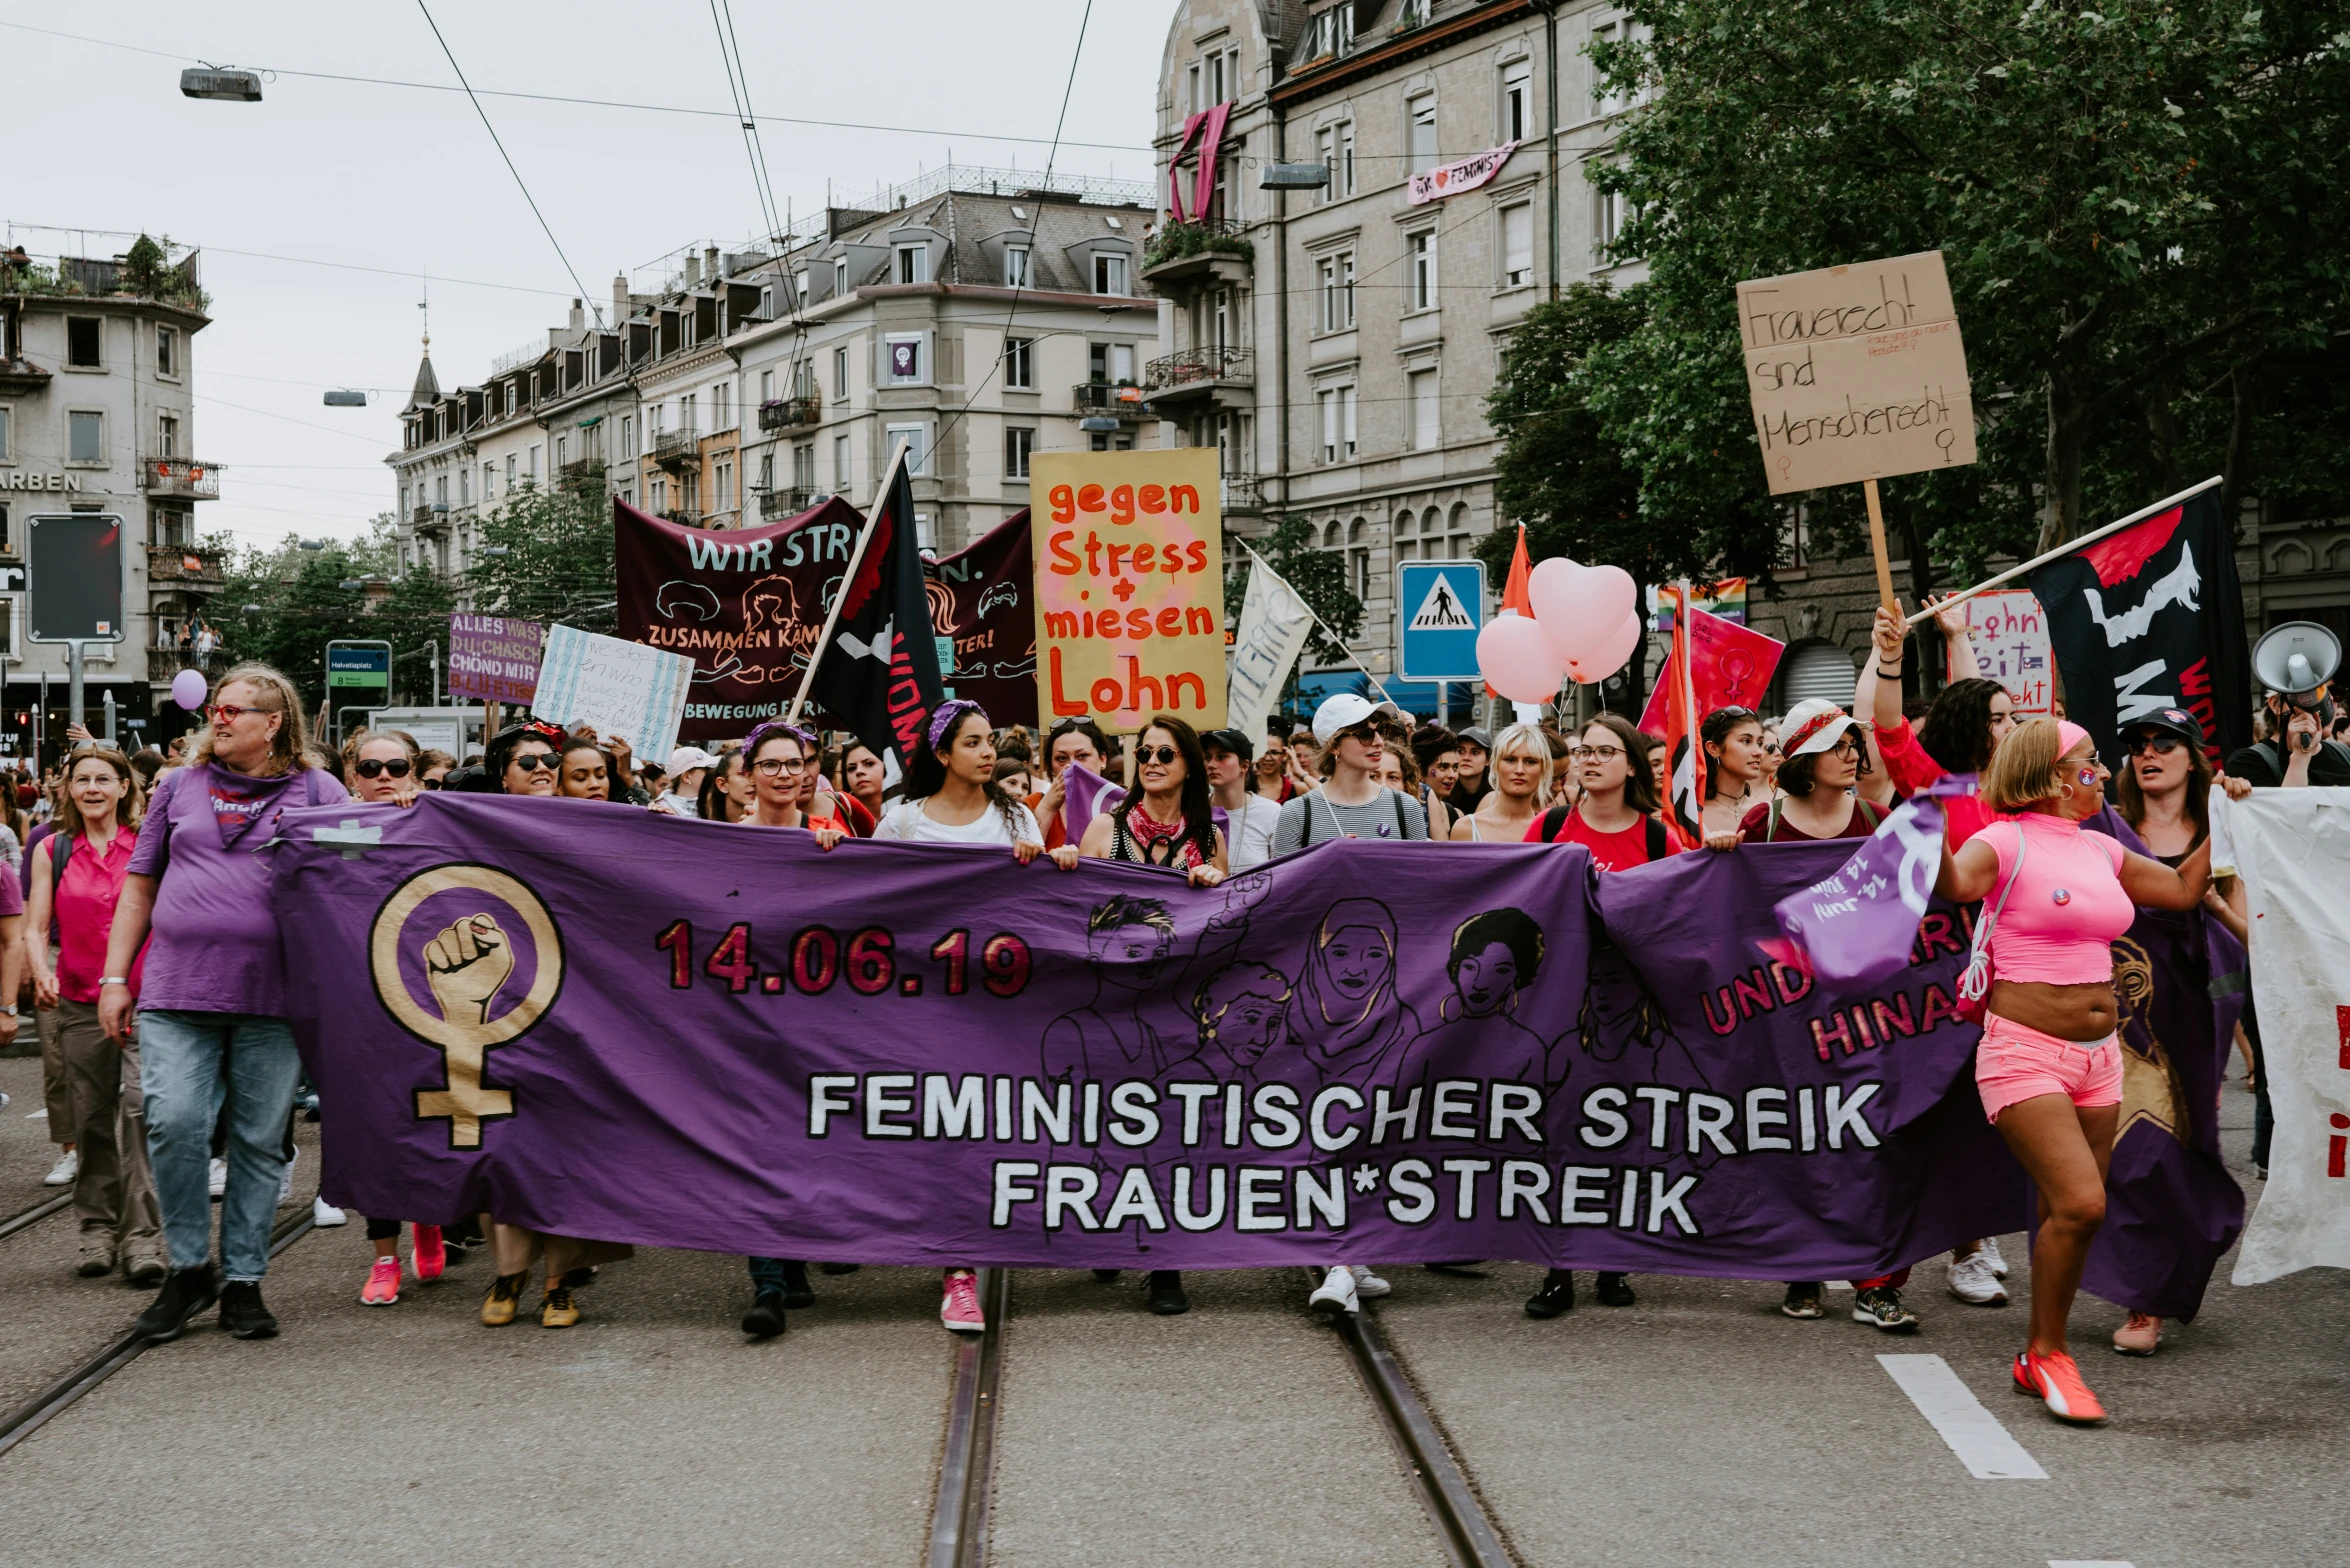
(510, 462)
(722, 407)
(167, 435)
(1337, 275)
(803, 466)
(465, 486)
(1110, 362)
(917, 439)
(840, 465)
(82, 338)
(1420, 399)
(167, 351)
(1517, 245)
(1420, 133)
(1020, 365)
(5, 436)
(840, 372)
(1517, 100)
(658, 494)
(1420, 279)
(1338, 424)
(902, 353)
(1336, 145)
(562, 451)
(1018, 444)
(1215, 65)
(1109, 274)
(489, 481)
(1015, 266)
(1193, 89)
(85, 436)
(440, 491)
(913, 264)
(1604, 99)
(766, 386)
(722, 487)
(766, 473)
(840, 277)
(1608, 212)
(628, 435)
(513, 395)
(688, 407)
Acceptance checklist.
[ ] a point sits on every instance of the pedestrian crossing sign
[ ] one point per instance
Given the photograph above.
(1444, 608)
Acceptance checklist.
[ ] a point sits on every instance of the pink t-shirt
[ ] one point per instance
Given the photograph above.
(2065, 908)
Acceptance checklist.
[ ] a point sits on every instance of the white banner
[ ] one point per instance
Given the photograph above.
(621, 688)
(1465, 174)
(2292, 848)
(1274, 622)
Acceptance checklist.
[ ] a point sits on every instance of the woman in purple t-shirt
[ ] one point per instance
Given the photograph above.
(211, 1009)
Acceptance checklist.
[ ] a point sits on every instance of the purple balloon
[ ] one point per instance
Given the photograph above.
(189, 689)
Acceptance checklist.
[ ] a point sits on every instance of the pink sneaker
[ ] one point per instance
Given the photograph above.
(383, 1284)
(432, 1258)
(960, 1310)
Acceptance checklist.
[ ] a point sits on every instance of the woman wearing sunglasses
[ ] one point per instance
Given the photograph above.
(1167, 822)
(525, 759)
(381, 767)
(433, 768)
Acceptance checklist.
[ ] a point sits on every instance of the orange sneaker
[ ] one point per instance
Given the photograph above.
(383, 1284)
(2056, 1382)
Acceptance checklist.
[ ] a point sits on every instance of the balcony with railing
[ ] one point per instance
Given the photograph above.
(1215, 374)
(585, 473)
(676, 448)
(775, 504)
(1110, 399)
(429, 516)
(180, 479)
(181, 569)
(1240, 493)
(791, 413)
(1202, 251)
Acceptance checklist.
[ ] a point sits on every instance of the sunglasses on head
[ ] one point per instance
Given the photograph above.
(1162, 755)
(376, 767)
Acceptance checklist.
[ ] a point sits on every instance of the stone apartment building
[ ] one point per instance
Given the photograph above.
(1337, 344)
(97, 416)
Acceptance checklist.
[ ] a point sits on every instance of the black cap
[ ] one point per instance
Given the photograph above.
(1229, 740)
(2165, 721)
(1475, 735)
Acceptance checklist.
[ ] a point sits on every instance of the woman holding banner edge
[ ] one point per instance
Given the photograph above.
(2049, 1064)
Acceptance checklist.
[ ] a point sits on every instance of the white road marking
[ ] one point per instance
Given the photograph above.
(1986, 1448)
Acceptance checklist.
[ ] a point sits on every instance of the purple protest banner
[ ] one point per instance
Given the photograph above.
(1854, 930)
(599, 1022)
(493, 658)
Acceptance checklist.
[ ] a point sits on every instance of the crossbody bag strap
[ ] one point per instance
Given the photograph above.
(1975, 983)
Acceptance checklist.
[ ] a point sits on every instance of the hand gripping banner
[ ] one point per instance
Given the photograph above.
(601, 1023)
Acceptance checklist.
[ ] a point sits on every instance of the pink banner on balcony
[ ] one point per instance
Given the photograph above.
(1207, 127)
(1464, 175)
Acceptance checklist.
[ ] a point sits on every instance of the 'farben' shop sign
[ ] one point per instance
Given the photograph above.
(24, 481)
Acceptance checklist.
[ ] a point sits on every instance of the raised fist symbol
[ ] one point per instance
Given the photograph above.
(465, 965)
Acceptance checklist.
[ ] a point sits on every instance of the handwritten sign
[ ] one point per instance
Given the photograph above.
(1856, 372)
(2010, 633)
(1129, 550)
(1464, 175)
(620, 688)
(493, 658)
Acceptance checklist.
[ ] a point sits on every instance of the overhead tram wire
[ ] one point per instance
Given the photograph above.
(738, 87)
(592, 103)
(522, 184)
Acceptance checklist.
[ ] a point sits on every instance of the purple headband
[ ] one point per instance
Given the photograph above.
(760, 732)
(942, 722)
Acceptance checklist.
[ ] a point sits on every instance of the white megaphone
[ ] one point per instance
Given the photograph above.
(2296, 659)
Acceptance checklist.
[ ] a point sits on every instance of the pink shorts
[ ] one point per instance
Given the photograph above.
(2015, 1063)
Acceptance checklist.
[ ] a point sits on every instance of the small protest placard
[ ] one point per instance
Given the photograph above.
(1856, 372)
(2010, 633)
(493, 658)
(620, 688)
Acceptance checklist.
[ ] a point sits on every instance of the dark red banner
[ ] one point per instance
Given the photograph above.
(979, 597)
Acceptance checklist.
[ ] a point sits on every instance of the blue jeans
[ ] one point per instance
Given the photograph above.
(196, 1064)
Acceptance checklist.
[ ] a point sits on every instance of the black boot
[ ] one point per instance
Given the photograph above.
(1614, 1290)
(185, 1293)
(1557, 1295)
(242, 1313)
(765, 1319)
(840, 1268)
(796, 1291)
(1105, 1276)
(1166, 1293)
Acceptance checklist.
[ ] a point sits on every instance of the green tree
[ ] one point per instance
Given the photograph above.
(2140, 208)
(282, 606)
(547, 555)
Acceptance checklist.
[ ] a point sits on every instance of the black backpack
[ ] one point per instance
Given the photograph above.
(1555, 820)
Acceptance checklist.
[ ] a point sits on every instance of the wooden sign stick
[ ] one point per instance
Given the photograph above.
(1885, 597)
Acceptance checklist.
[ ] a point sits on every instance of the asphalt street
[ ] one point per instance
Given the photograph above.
(1698, 1427)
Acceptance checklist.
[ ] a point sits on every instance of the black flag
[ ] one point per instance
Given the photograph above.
(878, 675)
(2152, 618)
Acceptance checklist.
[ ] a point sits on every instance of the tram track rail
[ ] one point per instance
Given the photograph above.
(61, 1395)
(960, 1513)
(28, 1218)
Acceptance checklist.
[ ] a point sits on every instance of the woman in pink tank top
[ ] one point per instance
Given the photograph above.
(2054, 898)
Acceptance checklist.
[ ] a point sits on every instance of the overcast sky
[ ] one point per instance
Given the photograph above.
(405, 179)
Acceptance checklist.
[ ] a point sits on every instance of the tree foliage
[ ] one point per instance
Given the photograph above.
(282, 606)
(2141, 209)
(547, 555)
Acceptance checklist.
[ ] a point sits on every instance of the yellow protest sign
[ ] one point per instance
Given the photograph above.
(1129, 550)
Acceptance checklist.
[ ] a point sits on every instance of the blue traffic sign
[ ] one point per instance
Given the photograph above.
(1443, 610)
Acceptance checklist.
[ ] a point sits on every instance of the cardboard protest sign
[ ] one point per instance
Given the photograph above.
(620, 688)
(1856, 372)
(2009, 631)
(1129, 548)
(493, 658)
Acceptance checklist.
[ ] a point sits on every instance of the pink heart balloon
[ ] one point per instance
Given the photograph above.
(1516, 661)
(1550, 589)
(1581, 607)
(1609, 656)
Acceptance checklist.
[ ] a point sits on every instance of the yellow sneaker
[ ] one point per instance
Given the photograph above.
(504, 1300)
(558, 1310)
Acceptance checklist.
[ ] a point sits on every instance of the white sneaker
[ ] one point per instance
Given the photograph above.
(1972, 1282)
(1337, 1293)
(1369, 1284)
(219, 1180)
(285, 1181)
(1989, 1253)
(66, 1171)
(324, 1214)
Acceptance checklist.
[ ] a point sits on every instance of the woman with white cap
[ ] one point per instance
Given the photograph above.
(1823, 760)
(688, 766)
(1351, 802)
